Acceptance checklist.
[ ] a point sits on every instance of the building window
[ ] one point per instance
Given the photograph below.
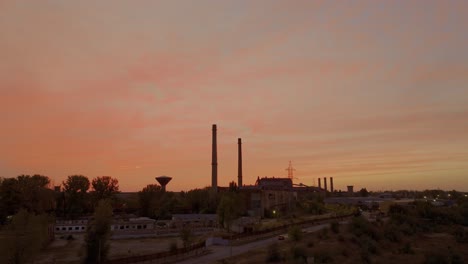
(77, 228)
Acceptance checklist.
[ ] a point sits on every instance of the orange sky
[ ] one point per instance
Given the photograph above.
(372, 93)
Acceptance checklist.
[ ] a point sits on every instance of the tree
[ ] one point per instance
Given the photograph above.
(363, 192)
(98, 233)
(295, 233)
(23, 238)
(105, 187)
(230, 207)
(186, 236)
(75, 190)
(29, 192)
(149, 198)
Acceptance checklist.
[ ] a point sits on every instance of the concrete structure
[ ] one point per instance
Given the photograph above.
(270, 196)
(350, 189)
(163, 181)
(194, 220)
(118, 225)
(214, 161)
(133, 224)
(239, 162)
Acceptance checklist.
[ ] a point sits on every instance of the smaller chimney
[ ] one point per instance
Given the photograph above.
(319, 183)
(331, 184)
(325, 183)
(239, 163)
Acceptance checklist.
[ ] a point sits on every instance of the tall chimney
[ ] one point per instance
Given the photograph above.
(239, 163)
(331, 184)
(214, 162)
(319, 183)
(325, 183)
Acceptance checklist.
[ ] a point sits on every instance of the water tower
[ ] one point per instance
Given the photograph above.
(163, 180)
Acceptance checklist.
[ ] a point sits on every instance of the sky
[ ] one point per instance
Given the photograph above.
(371, 93)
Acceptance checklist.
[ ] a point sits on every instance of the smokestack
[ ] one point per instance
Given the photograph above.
(319, 183)
(214, 162)
(239, 163)
(331, 184)
(325, 183)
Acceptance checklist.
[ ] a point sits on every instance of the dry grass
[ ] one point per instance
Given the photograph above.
(71, 251)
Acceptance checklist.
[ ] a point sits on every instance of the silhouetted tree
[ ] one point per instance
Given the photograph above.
(230, 207)
(28, 192)
(363, 192)
(105, 187)
(186, 236)
(75, 190)
(233, 186)
(98, 233)
(149, 198)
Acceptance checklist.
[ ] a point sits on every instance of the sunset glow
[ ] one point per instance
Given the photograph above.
(373, 94)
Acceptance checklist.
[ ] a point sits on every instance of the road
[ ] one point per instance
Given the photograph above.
(222, 252)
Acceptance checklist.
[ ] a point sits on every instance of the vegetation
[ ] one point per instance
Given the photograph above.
(23, 238)
(75, 190)
(230, 208)
(105, 187)
(98, 233)
(186, 236)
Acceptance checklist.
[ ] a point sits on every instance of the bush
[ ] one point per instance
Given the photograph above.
(335, 227)
(273, 253)
(392, 233)
(323, 234)
(406, 249)
(435, 257)
(323, 256)
(295, 233)
(369, 245)
(173, 246)
(461, 235)
(359, 226)
(299, 253)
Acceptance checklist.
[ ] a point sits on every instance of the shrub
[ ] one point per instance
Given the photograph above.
(173, 246)
(299, 253)
(335, 227)
(273, 253)
(359, 226)
(435, 257)
(323, 256)
(461, 235)
(323, 234)
(295, 233)
(406, 249)
(341, 238)
(392, 232)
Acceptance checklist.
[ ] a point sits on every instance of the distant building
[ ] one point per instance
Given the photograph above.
(269, 196)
